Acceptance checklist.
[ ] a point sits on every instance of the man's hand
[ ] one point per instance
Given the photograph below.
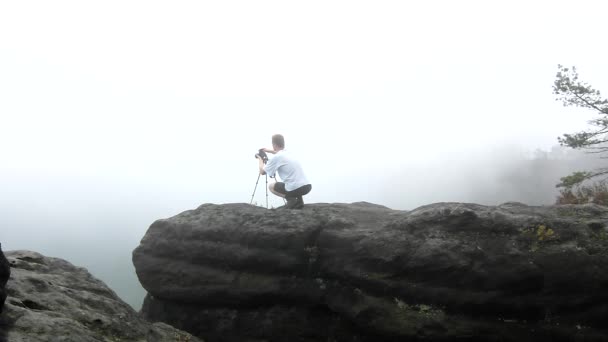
(260, 164)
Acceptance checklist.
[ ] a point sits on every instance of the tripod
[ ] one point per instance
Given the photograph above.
(261, 154)
(256, 186)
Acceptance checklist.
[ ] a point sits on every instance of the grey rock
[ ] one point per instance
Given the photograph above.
(362, 272)
(5, 273)
(50, 299)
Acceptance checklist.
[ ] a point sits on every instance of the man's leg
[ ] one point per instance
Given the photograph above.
(299, 195)
(278, 189)
(272, 189)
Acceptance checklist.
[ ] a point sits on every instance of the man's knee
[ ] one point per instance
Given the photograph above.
(272, 189)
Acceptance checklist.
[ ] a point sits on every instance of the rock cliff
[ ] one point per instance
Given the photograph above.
(363, 272)
(5, 272)
(50, 299)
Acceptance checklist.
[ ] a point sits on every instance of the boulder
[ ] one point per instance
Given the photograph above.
(50, 299)
(363, 272)
(5, 273)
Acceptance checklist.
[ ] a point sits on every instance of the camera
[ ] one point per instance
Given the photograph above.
(262, 155)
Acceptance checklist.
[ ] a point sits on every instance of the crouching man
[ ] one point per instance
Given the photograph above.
(294, 184)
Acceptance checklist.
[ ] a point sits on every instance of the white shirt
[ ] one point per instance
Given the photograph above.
(289, 170)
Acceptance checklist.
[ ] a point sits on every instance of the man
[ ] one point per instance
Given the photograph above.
(294, 184)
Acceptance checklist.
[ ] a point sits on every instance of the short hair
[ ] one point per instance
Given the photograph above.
(278, 140)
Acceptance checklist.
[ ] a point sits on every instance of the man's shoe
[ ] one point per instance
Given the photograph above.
(299, 203)
(291, 203)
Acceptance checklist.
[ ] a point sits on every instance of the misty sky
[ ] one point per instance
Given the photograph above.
(117, 113)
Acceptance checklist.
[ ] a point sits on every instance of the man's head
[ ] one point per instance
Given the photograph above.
(278, 142)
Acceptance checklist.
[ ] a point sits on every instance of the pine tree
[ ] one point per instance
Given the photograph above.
(573, 92)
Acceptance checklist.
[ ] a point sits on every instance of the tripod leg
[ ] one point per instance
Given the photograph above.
(256, 186)
(266, 191)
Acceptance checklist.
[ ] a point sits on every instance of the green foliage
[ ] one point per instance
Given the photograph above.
(580, 194)
(574, 179)
(572, 92)
(543, 232)
(182, 337)
(602, 235)
(539, 234)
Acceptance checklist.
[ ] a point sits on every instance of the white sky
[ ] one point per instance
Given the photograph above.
(149, 108)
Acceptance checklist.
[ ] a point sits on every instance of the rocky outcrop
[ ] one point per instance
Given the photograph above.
(5, 272)
(362, 272)
(50, 299)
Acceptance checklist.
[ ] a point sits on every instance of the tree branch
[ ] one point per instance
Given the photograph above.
(592, 105)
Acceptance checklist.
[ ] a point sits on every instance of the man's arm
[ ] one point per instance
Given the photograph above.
(268, 150)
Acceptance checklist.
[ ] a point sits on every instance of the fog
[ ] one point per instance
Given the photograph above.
(116, 114)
